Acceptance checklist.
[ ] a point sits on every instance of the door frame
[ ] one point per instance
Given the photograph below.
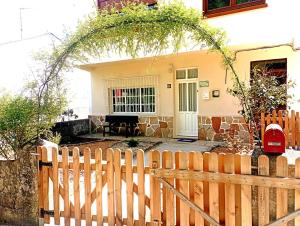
(176, 99)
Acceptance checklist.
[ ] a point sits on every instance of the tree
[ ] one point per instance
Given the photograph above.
(26, 117)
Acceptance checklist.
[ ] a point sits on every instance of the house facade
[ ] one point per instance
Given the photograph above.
(185, 94)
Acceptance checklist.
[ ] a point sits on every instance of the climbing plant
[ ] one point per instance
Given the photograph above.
(137, 30)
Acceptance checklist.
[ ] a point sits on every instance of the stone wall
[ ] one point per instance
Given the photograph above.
(150, 126)
(19, 191)
(218, 128)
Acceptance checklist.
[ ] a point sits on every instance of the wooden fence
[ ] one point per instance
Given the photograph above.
(182, 188)
(289, 122)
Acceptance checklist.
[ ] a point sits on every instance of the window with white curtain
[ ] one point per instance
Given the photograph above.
(133, 95)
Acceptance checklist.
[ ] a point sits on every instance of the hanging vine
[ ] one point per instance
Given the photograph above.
(138, 30)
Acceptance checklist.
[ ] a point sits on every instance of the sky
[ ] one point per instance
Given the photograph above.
(28, 26)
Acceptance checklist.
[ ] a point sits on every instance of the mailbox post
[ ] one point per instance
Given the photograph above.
(274, 139)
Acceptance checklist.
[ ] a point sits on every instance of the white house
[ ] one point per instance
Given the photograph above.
(184, 94)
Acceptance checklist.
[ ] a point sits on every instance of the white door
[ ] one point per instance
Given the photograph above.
(186, 102)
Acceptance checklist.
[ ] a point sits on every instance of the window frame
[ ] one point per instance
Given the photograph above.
(154, 103)
(233, 8)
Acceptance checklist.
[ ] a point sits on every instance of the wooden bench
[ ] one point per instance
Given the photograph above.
(127, 121)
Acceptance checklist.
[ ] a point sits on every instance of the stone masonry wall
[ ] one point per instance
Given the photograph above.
(150, 126)
(18, 192)
(217, 128)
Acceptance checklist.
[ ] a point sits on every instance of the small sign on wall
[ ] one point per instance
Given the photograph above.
(203, 83)
(169, 86)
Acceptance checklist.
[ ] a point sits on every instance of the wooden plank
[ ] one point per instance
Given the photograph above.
(285, 219)
(45, 172)
(293, 128)
(206, 185)
(263, 193)
(87, 186)
(99, 184)
(167, 162)
(221, 157)
(118, 186)
(280, 119)
(268, 119)
(229, 192)
(238, 208)
(297, 191)
(55, 181)
(214, 188)
(287, 129)
(177, 208)
(192, 205)
(191, 155)
(198, 189)
(246, 213)
(262, 125)
(250, 180)
(184, 189)
(155, 205)
(274, 117)
(281, 194)
(297, 129)
(141, 187)
(65, 167)
(129, 186)
(110, 187)
(76, 187)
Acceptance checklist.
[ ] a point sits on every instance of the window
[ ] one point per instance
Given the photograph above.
(221, 7)
(133, 100)
(191, 73)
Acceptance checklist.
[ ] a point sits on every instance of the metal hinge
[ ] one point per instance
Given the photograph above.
(46, 212)
(48, 164)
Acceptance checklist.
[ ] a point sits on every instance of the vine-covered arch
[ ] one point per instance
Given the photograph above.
(137, 30)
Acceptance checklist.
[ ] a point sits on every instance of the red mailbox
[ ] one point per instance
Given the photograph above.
(274, 139)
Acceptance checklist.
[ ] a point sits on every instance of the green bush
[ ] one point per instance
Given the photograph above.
(132, 142)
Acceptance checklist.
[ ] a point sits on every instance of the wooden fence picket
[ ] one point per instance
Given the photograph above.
(198, 188)
(40, 179)
(110, 187)
(297, 191)
(87, 186)
(129, 186)
(221, 163)
(297, 129)
(293, 128)
(99, 184)
(238, 208)
(286, 129)
(155, 200)
(55, 180)
(213, 188)
(206, 185)
(76, 186)
(229, 192)
(167, 163)
(45, 172)
(184, 189)
(246, 210)
(274, 117)
(66, 197)
(141, 187)
(281, 194)
(118, 186)
(191, 156)
(263, 193)
(177, 187)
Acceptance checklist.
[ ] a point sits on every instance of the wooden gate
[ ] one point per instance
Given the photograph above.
(182, 188)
